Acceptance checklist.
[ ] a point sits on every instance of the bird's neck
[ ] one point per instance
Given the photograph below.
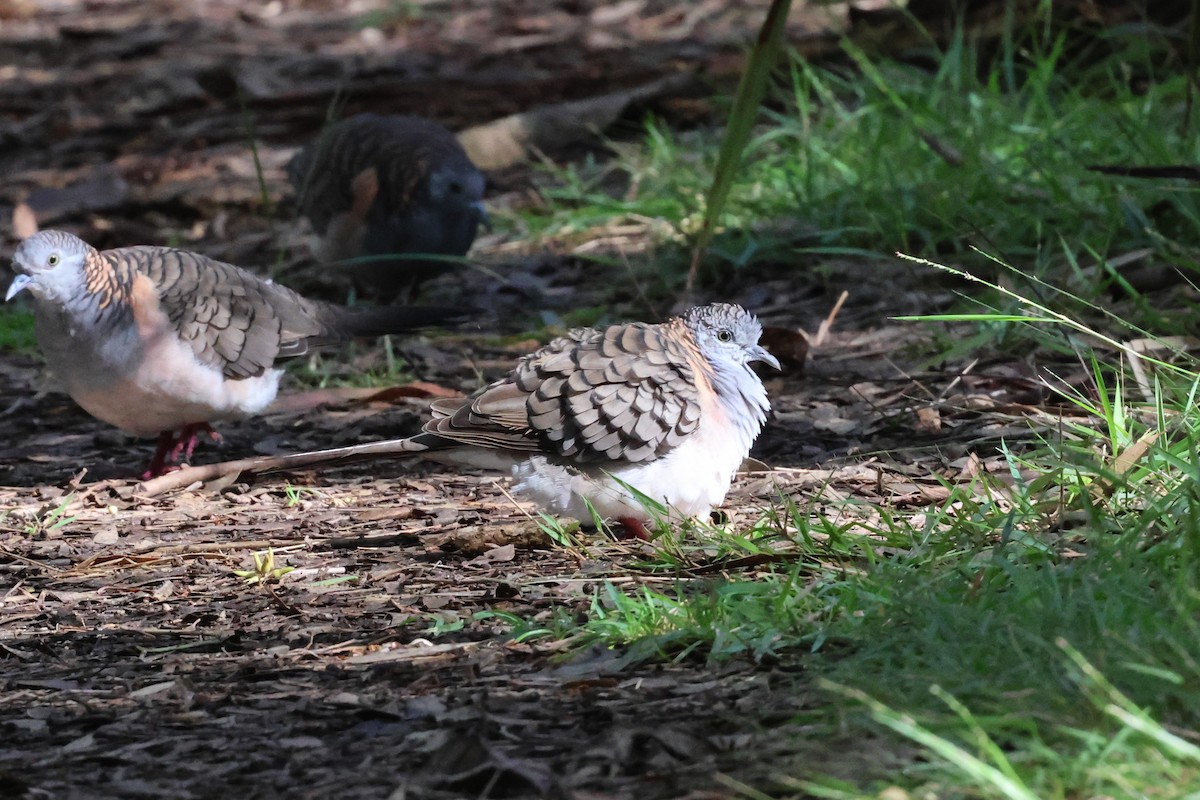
(742, 395)
(103, 296)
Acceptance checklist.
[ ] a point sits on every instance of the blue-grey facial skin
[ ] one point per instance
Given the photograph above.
(729, 329)
(481, 216)
(50, 266)
(442, 222)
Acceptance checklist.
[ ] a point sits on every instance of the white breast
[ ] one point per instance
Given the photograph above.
(145, 385)
(689, 481)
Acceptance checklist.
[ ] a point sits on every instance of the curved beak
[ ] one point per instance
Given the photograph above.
(481, 215)
(760, 353)
(14, 288)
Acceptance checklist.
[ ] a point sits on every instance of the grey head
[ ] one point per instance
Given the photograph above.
(52, 266)
(727, 335)
(440, 214)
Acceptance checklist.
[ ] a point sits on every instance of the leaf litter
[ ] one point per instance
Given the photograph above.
(138, 660)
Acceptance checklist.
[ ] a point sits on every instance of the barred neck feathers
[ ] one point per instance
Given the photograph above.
(106, 288)
(742, 395)
(725, 337)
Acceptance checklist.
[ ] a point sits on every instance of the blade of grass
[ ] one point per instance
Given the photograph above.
(1003, 780)
(251, 136)
(1113, 702)
(750, 91)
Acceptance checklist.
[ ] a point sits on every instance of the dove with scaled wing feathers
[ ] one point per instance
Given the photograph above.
(156, 340)
(600, 415)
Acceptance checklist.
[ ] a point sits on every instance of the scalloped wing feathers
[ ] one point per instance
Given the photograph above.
(628, 393)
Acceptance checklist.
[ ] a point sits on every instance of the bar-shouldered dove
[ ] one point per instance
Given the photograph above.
(155, 340)
(669, 410)
(374, 187)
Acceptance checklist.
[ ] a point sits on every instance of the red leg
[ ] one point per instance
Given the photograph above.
(158, 464)
(634, 528)
(174, 446)
(189, 437)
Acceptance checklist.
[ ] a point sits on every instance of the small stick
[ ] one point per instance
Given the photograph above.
(257, 466)
(199, 548)
(827, 323)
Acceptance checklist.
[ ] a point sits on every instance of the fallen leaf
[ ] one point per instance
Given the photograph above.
(506, 141)
(497, 555)
(303, 401)
(788, 345)
(469, 764)
(85, 742)
(929, 419)
(102, 190)
(109, 536)
(152, 689)
(24, 221)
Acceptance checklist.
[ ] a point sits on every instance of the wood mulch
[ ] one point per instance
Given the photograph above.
(138, 660)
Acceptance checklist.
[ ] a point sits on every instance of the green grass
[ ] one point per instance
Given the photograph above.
(951, 150)
(1038, 636)
(50, 521)
(16, 331)
(321, 370)
(1039, 639)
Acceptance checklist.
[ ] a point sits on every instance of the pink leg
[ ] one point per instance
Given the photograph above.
(166, 440)
(634, 528)
(189, 437)
(174, 446)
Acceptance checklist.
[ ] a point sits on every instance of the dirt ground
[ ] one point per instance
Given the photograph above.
(135, 662)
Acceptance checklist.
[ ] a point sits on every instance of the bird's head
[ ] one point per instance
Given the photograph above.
(729, 333)
(457, 188)
(50, 265)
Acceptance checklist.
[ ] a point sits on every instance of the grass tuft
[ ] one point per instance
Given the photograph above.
(953, 154)
(16, 331)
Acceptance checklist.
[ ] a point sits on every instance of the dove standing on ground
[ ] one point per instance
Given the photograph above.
(374, 186)
(670, 410)
(155, 340)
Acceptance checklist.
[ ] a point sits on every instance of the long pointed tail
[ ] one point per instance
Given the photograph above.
(382, 320)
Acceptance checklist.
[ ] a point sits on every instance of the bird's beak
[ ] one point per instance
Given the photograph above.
(759, 353)
(14, 288)
(482, 215)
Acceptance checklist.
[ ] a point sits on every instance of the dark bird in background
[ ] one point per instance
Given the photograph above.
(376, 186)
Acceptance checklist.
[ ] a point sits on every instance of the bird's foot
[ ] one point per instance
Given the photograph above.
(633, 528)
(158, 463)
(189, 437)
(174, 447)
(159, 470)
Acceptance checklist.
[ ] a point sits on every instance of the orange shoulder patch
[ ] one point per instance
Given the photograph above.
(143, 300)
(364, 188)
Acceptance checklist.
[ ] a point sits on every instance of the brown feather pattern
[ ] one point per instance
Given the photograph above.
(378, 189)
(627, 394)
(231, 319)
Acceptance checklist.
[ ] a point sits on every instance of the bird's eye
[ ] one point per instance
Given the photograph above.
(724, 335)
(52, 260)
(456, 188)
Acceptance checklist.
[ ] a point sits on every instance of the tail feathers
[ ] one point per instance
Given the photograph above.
(448, 451)
(337, 455)
(382, 320)
(426, 441)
